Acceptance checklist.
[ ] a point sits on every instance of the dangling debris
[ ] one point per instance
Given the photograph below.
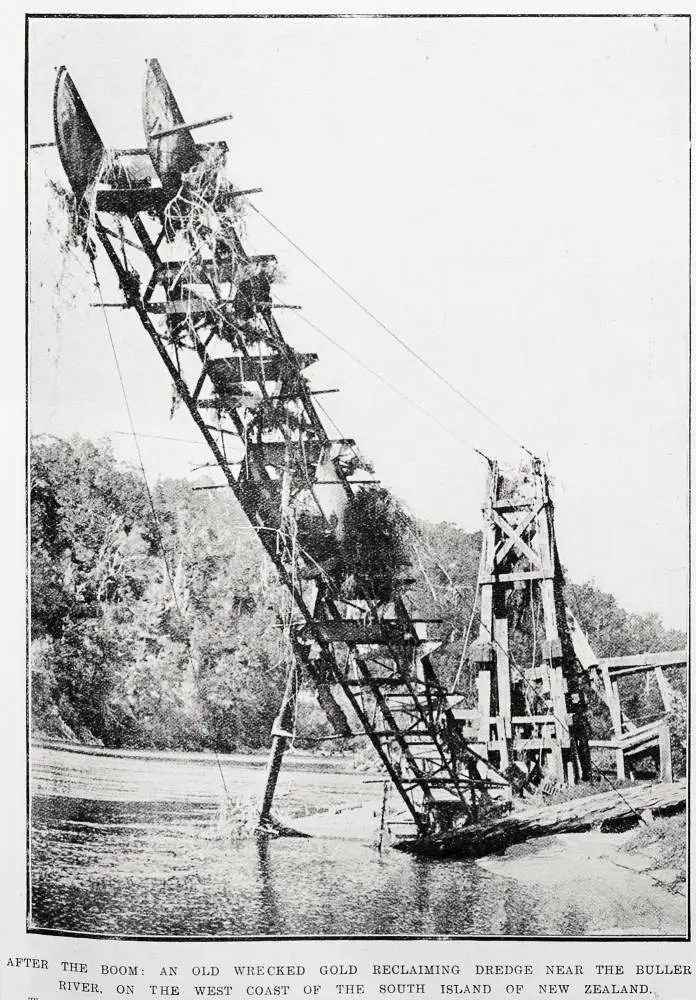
(374, 545)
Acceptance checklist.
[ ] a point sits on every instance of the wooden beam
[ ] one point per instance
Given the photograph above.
(644, 661)
(479, 839)
(611, 700)
(281, 734)
(353, 631)
(520, 545)
(201, 271)
(187, 307)
(515, 536)
(228, 373)
(187, 126)
(665, 690)
(665, 754)
(514, 577)
(504, 505)
(502, 664)
(277, 453)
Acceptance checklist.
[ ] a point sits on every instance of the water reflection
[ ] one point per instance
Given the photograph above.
(267, 896)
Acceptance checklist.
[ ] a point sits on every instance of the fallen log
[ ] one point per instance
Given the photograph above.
(580, 814)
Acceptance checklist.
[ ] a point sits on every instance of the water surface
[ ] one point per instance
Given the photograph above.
(159, 869)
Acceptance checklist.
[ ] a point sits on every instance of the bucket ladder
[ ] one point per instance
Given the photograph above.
(207, 307)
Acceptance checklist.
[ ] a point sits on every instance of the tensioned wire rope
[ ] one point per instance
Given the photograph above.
(119, 372)
(471, 607)
(394, 336)
(430, 416)
(603, 774)
(160, 540)
(389, 385)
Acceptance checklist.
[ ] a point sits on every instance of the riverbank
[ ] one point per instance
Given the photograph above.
(95, 774)
(625, 871)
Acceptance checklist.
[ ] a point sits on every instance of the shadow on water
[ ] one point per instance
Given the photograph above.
(160, 869)
(269, 906)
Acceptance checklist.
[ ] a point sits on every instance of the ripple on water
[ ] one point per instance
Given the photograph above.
(157, 869)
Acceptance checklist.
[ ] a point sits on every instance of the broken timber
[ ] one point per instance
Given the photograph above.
(631, 742)
(619, 805)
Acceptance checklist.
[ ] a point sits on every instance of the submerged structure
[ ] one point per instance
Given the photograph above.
(167, 219)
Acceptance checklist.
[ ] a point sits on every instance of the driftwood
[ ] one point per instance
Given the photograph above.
(593, 811)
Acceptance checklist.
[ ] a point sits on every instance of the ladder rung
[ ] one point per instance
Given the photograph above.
(186, 307)
(379, 682)
(228, 373)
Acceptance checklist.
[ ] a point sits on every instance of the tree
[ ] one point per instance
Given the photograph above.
(171, 629)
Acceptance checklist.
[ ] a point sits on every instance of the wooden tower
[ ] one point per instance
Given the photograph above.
(530, 721)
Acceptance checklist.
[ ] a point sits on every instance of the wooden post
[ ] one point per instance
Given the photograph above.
(383, 818)
(282, 734)
(665, 753)
(665, 690)
(503, 708)
(483, 648)
(570, 771)
(483, 683)
(611, 692)
(551, 647)
(618, 715)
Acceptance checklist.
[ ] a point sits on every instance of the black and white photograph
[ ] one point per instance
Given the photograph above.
(358, 477)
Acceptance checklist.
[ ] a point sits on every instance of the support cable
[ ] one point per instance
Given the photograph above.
(148, 491)
(390, 385)
(161, 437)
(520, 672)
(402, 343)
(137, 446)
(465, 647)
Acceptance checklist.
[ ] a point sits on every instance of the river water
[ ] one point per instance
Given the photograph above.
(160, 869)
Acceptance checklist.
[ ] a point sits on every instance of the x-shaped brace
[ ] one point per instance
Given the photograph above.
(514, 538)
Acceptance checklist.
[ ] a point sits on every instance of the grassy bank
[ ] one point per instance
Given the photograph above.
(661, 846)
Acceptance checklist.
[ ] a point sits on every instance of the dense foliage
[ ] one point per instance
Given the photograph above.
(132, 650)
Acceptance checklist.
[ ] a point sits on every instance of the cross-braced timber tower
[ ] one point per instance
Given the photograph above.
(206, 305)
(533, 709)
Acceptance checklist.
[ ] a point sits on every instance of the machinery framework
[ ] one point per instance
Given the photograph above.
(167, 222)
(206, 305)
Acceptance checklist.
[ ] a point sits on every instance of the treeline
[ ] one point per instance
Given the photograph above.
(170, 632)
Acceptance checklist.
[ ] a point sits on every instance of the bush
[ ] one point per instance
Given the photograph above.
(374, 545)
